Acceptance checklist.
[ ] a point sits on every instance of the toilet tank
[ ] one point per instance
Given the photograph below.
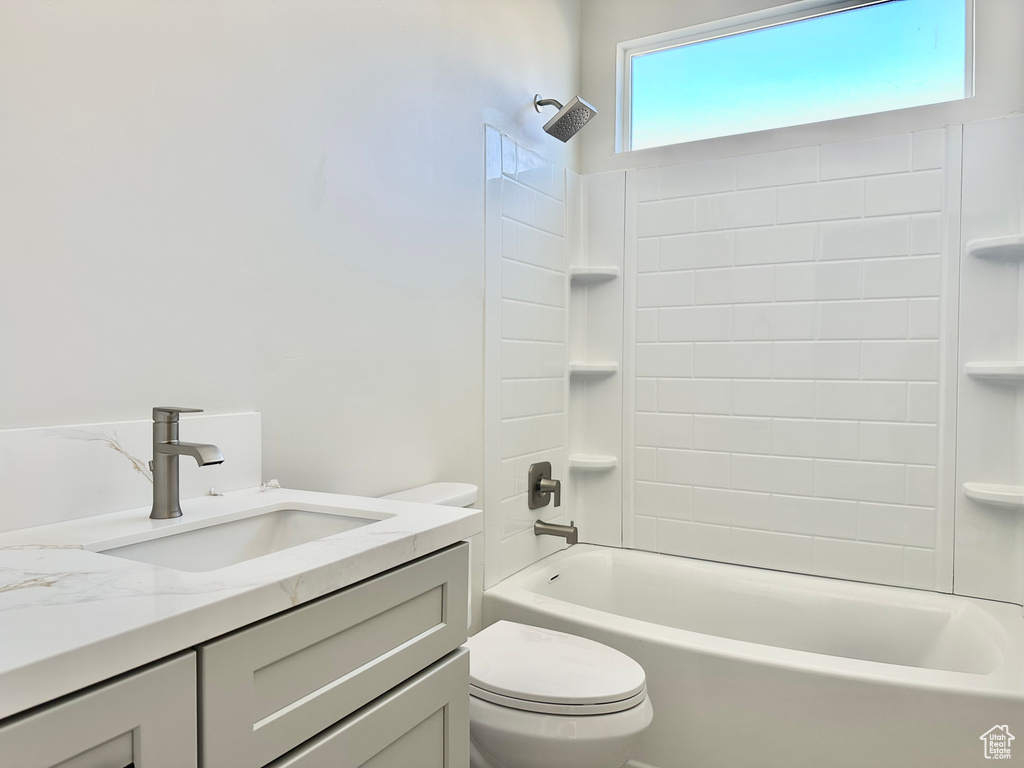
(444, 494)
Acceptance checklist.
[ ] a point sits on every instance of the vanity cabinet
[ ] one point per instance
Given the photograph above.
(267, 689)
(145, 718)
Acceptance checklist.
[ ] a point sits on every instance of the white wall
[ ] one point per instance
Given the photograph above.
(269, 206)
(999, 86)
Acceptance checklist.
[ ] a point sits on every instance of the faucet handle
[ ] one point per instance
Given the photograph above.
(168, 414)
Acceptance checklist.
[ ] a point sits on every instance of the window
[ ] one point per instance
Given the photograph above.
(798, 64)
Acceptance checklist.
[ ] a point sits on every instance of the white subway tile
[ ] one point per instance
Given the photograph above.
(664, 500)
(648, 184)
(819, 281)
(518, 436)
(773, 474)
(509, 399)
(646, 464)
(646, 325)
(900, 443)
(509, 324)
(550, 431)
(922, 486)
(664, 360)
(905, 193)
(866, 238)
(664, 430)
(694, 396)
(863, 319)
(536, 172)
(766, 549)
(777, 245)
(773, 398)
(772, 169)
(724, 507)
(900, 360)
(736, 285)
(924, 319)
(812, 438)
(700, 178)
(525, 282)
(645, 533)
(647, 394)
(666, 217)
(733, 360)
(861, 400)
(664, 289)
(929, 149)
(896, 524)
(540, 248)
(693, 468)
(549, 215)
(923, 402)
(814, 517)
(915, 276)
(732, 210)
(695, 324)
(919, 568)
(821, 201)
(681, 537)
(859, 480)
(515, 516)
(707, 249)
(647, 251)
(508, 478)
(926, 234)
(858, 560)
(517, 201)
(732, 434)
(816, 360)
(866, 157)
(520, 359)
(535, 322)
(773, 321)
(509, 244)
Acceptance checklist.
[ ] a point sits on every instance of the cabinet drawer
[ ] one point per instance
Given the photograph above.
(423, 723)
(146, 718)
(266, 689)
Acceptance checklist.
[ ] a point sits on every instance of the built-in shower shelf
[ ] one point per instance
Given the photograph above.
(593, 369)
(591, 462)
(1006, 372)
(592, 275)
(1010, 496)
(1008, 248)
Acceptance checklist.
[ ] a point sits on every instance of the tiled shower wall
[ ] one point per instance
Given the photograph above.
(527, 256)
(788, 316)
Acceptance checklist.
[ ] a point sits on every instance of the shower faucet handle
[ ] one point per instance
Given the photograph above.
(541, 486)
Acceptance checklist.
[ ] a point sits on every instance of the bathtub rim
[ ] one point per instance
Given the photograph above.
(1005, 681)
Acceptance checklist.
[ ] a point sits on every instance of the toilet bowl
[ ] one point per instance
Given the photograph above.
(546, 699)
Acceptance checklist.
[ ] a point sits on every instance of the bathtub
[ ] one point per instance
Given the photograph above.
(748, 668)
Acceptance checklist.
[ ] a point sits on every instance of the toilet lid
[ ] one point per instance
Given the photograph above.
(521, 666)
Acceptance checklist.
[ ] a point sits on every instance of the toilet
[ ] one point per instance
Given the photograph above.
(546, 699)
(541, 698)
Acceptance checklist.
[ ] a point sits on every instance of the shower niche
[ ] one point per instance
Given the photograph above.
(595, 358)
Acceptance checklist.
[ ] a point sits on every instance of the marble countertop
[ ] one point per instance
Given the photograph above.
(71, 617)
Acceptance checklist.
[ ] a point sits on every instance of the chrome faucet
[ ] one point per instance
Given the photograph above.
(166, 450)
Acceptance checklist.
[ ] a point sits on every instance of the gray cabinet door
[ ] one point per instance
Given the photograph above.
(268, 688)
(146, 717)
(422, 723)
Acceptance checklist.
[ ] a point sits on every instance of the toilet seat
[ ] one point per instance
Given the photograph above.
(541, 670)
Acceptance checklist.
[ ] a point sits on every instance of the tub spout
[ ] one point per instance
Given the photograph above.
(568, 532)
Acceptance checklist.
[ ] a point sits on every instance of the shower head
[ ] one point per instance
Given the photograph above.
(569, 119)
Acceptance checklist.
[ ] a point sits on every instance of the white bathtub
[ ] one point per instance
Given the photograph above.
(749, 668)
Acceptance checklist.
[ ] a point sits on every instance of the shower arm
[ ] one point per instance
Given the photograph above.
(538, 102)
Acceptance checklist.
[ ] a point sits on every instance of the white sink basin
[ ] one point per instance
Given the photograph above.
(222, 544)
